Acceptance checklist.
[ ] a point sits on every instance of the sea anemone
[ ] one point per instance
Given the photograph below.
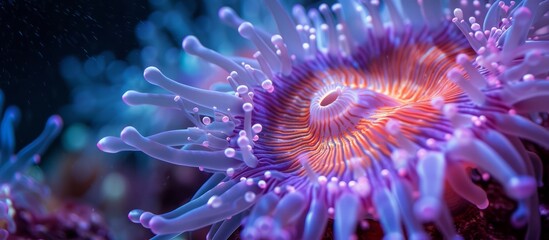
(359, 110)
(18, 191)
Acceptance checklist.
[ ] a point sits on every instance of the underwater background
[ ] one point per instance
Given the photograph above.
(36, 37)
(77, 58)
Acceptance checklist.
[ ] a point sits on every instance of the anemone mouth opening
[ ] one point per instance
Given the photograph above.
(329, 98)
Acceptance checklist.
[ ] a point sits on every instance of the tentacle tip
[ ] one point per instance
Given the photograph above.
(427, 208)
(103, 145)
(56, 121)
(129, 133)
(146, 219)
(484, 204)
(191, 45)
(108, 144)
(158, 225)
(522, 14)
(454, 74)
(13, 112)
(277, 39)
(152, 73)
(246, 30)
(462, 58)
(437, 102)
(393, 126)
(128, 96)
(458, 13)
(134, 215)
(298, 8)
(225, 13)
(521, 187)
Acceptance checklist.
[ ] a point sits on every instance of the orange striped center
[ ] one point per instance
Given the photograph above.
(333, 115)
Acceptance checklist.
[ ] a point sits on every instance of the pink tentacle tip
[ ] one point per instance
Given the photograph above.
(129, 133)
(56, 120)
(484, 204)
(146, 219)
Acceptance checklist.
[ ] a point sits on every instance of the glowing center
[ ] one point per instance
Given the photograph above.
(332, 115)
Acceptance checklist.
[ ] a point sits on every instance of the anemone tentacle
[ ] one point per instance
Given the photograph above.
(18, 191)
(348, 117)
